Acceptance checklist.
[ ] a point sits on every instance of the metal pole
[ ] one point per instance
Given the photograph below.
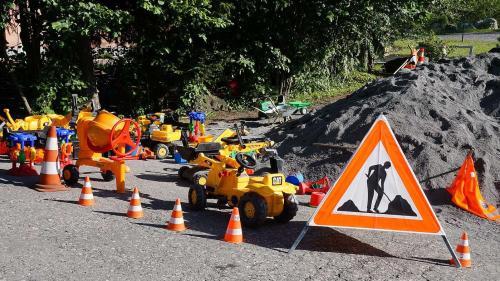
(301, 236)
(455, 258)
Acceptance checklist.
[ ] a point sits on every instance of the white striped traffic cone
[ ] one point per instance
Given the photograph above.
(234, 233)
(135, 208)
(176, 222)
(49, 175)
(463, 251)
(86, 197)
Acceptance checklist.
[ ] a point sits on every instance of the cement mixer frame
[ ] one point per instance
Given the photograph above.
(101, 134)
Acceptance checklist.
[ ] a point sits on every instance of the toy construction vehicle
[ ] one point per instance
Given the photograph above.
(101, 134)
(229, 143)
(228, 180)
(282, 109)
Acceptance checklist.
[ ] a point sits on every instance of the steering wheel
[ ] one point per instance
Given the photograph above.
(124, 137)
(246, 161)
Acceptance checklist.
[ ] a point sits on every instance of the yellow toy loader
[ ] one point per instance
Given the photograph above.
(228, 181)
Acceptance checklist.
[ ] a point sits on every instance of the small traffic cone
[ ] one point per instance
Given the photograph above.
(421, 56)
(463, 251)
(234, 233)
(49, 175)
(176, 222)
(86, 197)
(135, 208)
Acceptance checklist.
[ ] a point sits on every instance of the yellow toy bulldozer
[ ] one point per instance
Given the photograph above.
(257, 197)
(157, 135)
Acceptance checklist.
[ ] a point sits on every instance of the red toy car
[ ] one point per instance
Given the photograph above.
(321, 185)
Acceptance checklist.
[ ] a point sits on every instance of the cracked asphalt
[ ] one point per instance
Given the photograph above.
(47, 236)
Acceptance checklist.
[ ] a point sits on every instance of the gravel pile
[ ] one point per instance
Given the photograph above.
(438, 112)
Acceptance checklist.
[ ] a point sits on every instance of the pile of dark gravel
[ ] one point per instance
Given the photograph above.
(438, 112)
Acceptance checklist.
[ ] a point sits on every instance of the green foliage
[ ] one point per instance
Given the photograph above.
(435, 48)
(447, 16)
(172, 53)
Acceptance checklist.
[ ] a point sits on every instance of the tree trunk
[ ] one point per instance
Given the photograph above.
(3, 43)
(30, 36)
(86, 63)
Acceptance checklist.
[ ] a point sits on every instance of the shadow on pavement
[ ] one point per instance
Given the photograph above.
(26, 181)
(63, 201)
(112, 213)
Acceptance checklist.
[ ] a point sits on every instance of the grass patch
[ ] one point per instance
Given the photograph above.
(356, 80)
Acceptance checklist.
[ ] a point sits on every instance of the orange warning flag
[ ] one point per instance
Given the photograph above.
(378, 190)
(465, 192)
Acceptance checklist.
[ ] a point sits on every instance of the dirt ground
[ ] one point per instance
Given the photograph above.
(47, 236)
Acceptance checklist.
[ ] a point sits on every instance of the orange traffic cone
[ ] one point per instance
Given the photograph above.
(49, 175)
(465, 192)
(463, 251)
(135, 208)
(234, 233)
(421, 56)
(176, 222)
(86, 197)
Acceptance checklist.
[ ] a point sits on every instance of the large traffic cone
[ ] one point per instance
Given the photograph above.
(86, 197)
(176, 222)
(49, 175)
(135, 208)
(234, 233)
(463, 251)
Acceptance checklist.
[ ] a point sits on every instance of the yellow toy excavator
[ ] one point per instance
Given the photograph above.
(229, 143)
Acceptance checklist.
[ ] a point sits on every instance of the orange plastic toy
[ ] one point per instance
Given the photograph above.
(465, 192)
(101, 134)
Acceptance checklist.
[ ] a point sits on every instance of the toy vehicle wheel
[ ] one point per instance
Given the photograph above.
(107, 175)
(182, 171)
(289, 209)
(303, 111)
(200, 178)
(197, 198)
(253, 210)
(161, 151)
(70, 174)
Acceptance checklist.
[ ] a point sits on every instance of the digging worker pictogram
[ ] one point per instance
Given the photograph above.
(375, 174)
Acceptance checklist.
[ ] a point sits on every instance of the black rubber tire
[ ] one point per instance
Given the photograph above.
(260, 208)
(70, 174)
(108, 175)
(197, 198)
(303, 111)
(199, 176)
(181, 171)
(161, 151)
(289, 209)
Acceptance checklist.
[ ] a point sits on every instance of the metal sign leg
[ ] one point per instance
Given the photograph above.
(455, 258)
(297, 241)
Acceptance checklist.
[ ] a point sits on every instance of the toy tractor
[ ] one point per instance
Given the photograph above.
(257, 197)
(101, 134)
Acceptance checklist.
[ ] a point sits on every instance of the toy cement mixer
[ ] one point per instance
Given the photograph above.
(100, 134)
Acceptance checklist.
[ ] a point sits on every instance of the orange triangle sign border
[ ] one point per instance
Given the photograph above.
(326, 215)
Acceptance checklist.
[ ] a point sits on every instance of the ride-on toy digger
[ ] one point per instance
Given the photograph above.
(228, 181)
(228, 143)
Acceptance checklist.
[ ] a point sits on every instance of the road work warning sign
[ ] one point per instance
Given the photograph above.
(378, 190)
